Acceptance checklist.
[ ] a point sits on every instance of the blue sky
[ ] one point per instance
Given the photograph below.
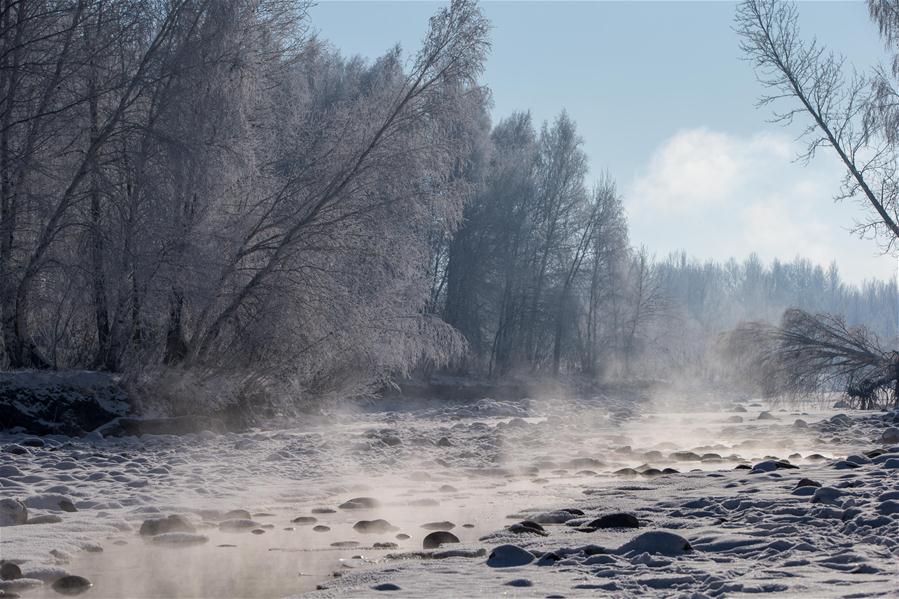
(666, 105)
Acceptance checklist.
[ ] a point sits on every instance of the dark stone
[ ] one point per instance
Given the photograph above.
(304, 520)
(10, 571)
(321, 528)
(72, 585)
(616, 520)
(438, 538)
(402, 537)
(387, 545)
(67, 506)
(386, 586)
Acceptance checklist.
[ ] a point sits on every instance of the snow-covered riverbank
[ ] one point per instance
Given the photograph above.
(473, 468)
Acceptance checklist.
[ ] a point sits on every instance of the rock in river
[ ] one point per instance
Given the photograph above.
(10, 571)
(438, 538)
(173, 523)
(72, 585)
(374, 526)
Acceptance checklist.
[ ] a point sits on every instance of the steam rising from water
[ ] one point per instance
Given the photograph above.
(470, 464)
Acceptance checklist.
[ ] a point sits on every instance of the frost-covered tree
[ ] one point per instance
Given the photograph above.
(203, 185)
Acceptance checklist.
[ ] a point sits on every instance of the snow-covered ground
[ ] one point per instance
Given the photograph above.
(475, 469)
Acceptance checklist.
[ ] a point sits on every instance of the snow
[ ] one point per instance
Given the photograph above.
(480, 469)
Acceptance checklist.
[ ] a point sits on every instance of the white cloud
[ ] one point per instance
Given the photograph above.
(717, 195)
(690, 170)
